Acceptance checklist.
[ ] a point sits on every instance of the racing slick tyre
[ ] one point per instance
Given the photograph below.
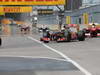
(46, 41)
(41, 39)
(93, 34)
(58, 41)
(81, 36)
(0, 41)
(68, 37)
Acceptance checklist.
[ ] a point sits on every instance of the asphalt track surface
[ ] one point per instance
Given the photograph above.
(28, 57)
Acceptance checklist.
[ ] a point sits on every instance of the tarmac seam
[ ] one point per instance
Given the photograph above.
(63, 55)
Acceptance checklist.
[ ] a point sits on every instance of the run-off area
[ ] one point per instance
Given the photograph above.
(21, 55)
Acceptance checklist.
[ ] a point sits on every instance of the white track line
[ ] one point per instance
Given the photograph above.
(32, 57)
(63, 55)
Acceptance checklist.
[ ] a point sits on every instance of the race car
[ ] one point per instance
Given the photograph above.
(71, 32)
(92, 30)
(60, 36)
(0, 41)
(45, 35)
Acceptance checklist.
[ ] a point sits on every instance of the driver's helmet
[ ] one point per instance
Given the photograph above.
(93, 24)
(66, 27)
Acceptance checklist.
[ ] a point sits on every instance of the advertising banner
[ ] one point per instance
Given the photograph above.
(86, 18)
(68, 20)
(15, 9)
(32, 2)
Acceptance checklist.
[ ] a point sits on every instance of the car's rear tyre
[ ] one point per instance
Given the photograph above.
(93, 34)
(68, 37)
(46, 41)
(58, 41)
(41, 39)
(81, 36)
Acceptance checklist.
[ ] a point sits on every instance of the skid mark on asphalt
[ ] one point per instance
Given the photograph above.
(63, 55)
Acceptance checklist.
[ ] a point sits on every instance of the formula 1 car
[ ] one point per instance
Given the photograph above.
(45, 35)
(45, 39)
(60, 36)
(73, 33)
(0, 41)
(92, 30)
(70, 33)
(66, 35)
